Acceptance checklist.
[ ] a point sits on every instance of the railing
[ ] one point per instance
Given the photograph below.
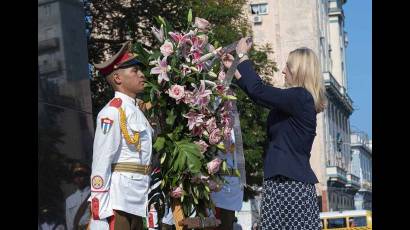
(50, 68)
(347, 97)
(331, 81)
(49, 44)
(336, 173)
(353, 181)
(333, 85)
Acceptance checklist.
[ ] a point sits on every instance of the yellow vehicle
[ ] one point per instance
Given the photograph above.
(354, 219)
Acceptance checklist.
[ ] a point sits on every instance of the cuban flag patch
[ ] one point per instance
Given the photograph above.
(106, 124)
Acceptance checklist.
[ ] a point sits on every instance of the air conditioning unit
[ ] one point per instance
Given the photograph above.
(257, 19)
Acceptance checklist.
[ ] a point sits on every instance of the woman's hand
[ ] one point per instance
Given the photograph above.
(243, 46)
(227, 60)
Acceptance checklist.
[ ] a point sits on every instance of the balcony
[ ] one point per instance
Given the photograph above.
(47, 45)
(335, 9)
(49, 68)
(337, 174)
(337, 92)
(353, 181)
(360, 140)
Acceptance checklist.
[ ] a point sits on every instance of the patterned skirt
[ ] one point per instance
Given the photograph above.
(289, 204)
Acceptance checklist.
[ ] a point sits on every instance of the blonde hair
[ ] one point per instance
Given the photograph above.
(304, 67)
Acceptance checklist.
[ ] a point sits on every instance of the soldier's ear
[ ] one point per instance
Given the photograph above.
(117, 78)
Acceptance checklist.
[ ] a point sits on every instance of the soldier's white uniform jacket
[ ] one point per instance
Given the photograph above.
(125, 191)
(72, 203)
(230, 196)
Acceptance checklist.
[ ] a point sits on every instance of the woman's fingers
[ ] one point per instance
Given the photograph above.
(227, 57)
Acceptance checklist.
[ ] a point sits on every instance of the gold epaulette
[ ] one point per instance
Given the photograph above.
(135, 140)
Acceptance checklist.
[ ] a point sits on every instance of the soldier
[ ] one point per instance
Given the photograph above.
(76, 206)
(122, 149)
(229, 198)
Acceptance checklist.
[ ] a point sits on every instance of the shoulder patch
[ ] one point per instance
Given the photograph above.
(116, 102)
(106, 124)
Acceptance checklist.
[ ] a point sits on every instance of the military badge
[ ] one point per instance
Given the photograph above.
(106, 124)
(97, 182)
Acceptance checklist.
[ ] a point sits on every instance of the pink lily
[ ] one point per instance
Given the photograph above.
(162, 70)
(181, 39)
(194, 119)
(158, 33)
(185, 70)
(202, 95)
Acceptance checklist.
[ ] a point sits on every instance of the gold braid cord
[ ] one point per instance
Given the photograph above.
(135, 140)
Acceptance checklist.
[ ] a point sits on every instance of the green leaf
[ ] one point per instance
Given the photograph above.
(170, 117)
(164, 155)
(171, 136)
(155, 55)
(216, 44)
(229, 97)
(173, 62)
(159, 144)
(220, 146)
(190, 16)
(237, 173)
(152, 94)
(224, 166)
(196, 191)
(175, 152)
(212, 74)
(206, 194)
(192, 154)
(174, 181)
(162, 21)
(182, 160)
(207, 188)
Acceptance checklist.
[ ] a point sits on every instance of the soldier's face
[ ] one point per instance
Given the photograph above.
(133, 79)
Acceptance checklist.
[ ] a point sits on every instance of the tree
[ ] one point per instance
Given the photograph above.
(52, 165)
(113, 22)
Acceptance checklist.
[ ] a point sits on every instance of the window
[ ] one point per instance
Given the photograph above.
(336, 223)
(357, 221)
(47, 9)
(259, 8)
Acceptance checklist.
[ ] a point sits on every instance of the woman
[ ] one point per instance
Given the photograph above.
(289, 197)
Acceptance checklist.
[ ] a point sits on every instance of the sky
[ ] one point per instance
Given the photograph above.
(358, 25)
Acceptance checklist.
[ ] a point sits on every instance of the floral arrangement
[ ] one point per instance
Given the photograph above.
(193, 110)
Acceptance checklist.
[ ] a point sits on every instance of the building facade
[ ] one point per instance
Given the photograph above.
(63, 77)
(318, 25)
(362, 165)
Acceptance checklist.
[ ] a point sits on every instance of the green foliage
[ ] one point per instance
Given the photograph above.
(52, 165)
